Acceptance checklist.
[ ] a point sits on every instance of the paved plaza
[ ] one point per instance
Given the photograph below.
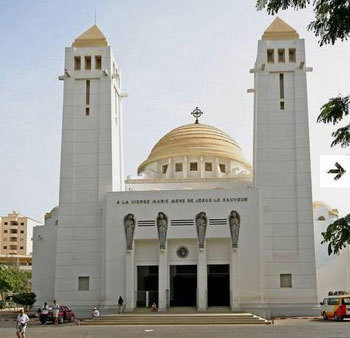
(285, 328)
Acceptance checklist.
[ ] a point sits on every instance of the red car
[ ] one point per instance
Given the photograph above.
(65, 314)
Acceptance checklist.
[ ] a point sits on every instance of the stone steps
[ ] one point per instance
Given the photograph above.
(178, 319)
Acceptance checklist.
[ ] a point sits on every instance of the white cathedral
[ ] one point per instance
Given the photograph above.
(200, 226)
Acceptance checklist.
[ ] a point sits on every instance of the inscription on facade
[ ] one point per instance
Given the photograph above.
(183, 200)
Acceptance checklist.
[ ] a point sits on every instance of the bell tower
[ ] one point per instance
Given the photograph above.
(282, 164)
(91, 164)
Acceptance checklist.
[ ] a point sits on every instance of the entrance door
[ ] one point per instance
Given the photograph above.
(219, 285)
(147, 285)
(183, 285)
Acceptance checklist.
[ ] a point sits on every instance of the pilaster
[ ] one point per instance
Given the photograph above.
(163, 279)
(234, 287)
(130, 280)
(202, 280)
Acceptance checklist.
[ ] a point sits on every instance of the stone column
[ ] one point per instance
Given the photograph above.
(234, 287)
(185, 167)
(170, 170)
(130, 280)
(202, 167)
(202, 280)
(163, 279)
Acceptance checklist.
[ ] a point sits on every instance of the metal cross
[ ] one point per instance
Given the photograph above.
(197, 113)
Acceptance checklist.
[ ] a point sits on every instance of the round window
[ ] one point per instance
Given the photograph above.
(182, 252)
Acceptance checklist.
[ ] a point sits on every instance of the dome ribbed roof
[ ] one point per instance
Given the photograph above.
(197, 140)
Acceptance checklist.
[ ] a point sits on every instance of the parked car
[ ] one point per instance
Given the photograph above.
(336, 307)
(64, 314)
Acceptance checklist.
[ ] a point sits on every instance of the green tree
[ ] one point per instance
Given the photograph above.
(13, 280)
(26, 299)
(332, 22)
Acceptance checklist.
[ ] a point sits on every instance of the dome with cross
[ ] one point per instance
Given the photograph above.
(195, 150)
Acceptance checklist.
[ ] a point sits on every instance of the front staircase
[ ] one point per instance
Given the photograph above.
(178, 319)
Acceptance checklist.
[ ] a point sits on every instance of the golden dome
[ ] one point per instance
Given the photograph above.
(197, 140)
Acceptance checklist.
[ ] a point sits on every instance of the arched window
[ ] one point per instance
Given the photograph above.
(321, 218)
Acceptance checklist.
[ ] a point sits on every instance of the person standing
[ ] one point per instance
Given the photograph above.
(55, 311)
(44, 311)
(22, 321)
(120, 305)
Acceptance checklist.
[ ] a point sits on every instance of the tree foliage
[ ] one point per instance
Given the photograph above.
(332, 17)
(26, 299)
(333, 112)
(337, 235)
(12, 279)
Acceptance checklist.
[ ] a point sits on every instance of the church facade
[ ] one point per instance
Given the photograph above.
(199, 226)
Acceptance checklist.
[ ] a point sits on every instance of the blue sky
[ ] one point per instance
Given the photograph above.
(173, 55)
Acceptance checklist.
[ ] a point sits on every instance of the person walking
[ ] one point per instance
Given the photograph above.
(55, 311)
(22, 322)
(120, 305)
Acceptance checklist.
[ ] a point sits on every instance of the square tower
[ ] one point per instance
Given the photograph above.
(91, 164)
(282, 168)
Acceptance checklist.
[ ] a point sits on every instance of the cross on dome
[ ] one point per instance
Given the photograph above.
(197, 113)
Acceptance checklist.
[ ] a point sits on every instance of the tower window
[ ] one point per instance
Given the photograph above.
(5, 247)
(87, 62)
(222, 167)
(87, 111)
(285, 280)
(281, 55)
(98, 62)
(292, 55)
(87, 92)
(164, 168)
(178, 167)
(208, 166)
(270, 58)
(193, 166)
(5, 223)
(77, 62)
(282, 105)
(21, 247)
(83, 283)
(22, 231)
(5, 231)
(13, 247)
(281, 86)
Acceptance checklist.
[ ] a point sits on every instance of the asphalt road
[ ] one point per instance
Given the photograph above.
(293, 328)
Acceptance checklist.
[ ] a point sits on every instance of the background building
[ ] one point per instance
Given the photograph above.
(16, 245)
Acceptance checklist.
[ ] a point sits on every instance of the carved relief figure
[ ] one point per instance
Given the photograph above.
(201, 225)
(129, 225)
(234, 220)
(162, 225)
